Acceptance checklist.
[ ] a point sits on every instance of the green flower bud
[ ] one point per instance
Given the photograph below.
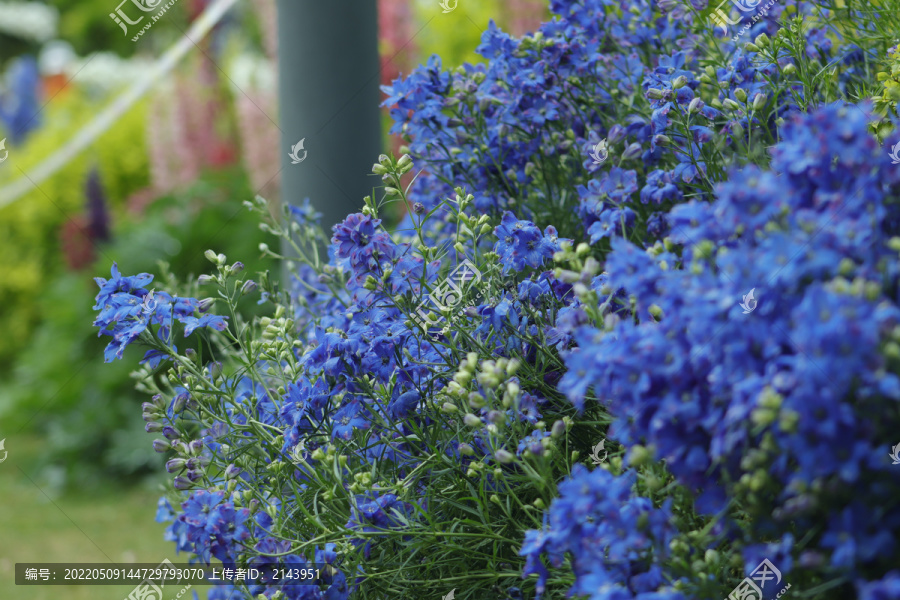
(759, 101)
(471, 420)
(504, 457)
(638, 456)
(558, 429)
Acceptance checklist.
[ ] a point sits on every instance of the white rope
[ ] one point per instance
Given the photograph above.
(102, 122)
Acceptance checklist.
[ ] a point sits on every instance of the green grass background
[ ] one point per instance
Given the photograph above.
(106, 525)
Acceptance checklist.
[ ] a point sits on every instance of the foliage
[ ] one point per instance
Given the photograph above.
(88, 410)
(604, 197)
(29, 227)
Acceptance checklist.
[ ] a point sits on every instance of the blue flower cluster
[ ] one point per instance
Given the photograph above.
(521, 244)
(617, 541)
(789, 405)
(127, 309)
(724, 308)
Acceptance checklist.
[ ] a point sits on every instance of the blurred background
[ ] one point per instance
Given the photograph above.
(80, 481)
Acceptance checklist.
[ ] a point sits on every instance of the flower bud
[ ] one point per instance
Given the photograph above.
(183, 483)
(471, 420)
(695, 105)
(740, 94)
(616, 133)
(237, 267)
(248, 287)
(205, 279)
(211, 256)
(449, 408)
(198, 462)
(654, 94)
(378, 169)
(633, 150)
(679, 82)
(759, 101)
(195, 447)
(504, 457)
(232, 471)
(153, 427)
(175, 464)
(558, 429)
(170, 433)
(161, 446)
(466, 450)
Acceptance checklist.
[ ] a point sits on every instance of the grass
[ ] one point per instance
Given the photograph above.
(105, 526)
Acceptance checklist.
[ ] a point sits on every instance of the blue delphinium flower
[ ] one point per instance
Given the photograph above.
(351, 416)
(126, 309)
(629, 539)
(521, 244)
(782, 398)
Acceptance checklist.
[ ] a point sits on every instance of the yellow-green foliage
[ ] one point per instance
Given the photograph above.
(29, 227)
(455, 35)
(886, 102)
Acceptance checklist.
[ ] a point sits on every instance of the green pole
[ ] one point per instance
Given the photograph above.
(329, 97)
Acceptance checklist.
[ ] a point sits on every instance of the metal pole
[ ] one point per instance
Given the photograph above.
(328, 97)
